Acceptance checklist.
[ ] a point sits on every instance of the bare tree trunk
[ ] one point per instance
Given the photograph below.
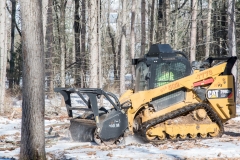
(88, 44)
(160, 22)
(133, 52)
(215, 29)
(223, 34)
(83, 25)
(105, 52)
(152, 23)
(83, 44)
(143, 26)
(49, 48)
(118, 38)
(232, 38)
(73, 61)
(200, 32)
(231, 28)
(78, 78)
(32, 132)
(123, 48)
(44, 13)
(13, 55)
(113, 43)
(193, 31)
(57, 35)
(208, 35)
(166, 22)
(93, 46)
(175, 44)
(99, 47)
(63, 42)
(3, 52)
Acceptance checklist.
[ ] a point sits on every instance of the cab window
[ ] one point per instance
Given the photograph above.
(141, 72)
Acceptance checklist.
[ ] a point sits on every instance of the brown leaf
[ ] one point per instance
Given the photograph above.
(91, 153)
(110, 154)
(8, 148)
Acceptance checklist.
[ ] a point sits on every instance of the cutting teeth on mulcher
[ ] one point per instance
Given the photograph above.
(97, 123)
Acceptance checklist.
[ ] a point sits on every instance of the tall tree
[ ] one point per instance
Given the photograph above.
(45, 12)
(208, 34)
(3, 52)
(93, 45)
(13, 55)
(160, 22)
(223, 34)
(123, 47)
(151, 36)
(62, 40)
(166, 21)
(143, 26)
(99, 47)
(133, 35)
(232, 36)
(175, 34)
(32, 131)
(83, 43)
(215, 28)
(193, 31)
(118, 38)
(49, 48)
(113, 46)
(77, 40)
(231, 28)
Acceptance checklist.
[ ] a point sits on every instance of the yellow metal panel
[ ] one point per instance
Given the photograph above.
(125, 96)
(225, 107)
(142, 98)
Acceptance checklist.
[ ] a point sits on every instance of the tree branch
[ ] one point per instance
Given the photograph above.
(18, 29)
(180, 7)
(8, 9)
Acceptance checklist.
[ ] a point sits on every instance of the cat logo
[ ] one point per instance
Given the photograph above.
(221, 93)
(213, 93)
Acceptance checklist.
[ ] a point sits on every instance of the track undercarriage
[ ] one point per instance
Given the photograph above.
(190, 122)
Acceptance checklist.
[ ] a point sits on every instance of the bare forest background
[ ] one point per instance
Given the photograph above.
(91, 43)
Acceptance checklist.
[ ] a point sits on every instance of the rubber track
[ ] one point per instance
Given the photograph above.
(179, 112)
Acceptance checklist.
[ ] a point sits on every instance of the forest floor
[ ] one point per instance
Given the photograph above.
(60, 146)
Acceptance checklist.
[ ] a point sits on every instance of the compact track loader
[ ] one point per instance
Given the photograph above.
(191, 101)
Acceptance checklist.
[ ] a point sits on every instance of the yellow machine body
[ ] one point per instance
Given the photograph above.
(219, 95)
(171, 99)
